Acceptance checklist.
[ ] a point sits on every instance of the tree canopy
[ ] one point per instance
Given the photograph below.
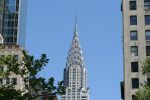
(28, 68)
(144, 92)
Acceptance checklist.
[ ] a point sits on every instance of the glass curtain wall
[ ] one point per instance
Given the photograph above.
(10, 24)
(1, 14)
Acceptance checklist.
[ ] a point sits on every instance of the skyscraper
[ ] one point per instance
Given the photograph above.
(12, 37)
(136, 44)
(75, 73)
(13, 21)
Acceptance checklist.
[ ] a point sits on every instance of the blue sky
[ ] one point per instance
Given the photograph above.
(50, 25)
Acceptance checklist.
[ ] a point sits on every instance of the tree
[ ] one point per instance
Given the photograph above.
(144, 93)
(28, 69)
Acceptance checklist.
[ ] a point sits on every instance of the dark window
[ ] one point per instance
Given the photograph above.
(147, 19)
(146, 4)
(134, 67)
(132, 5)
(133, 20)
(16, 57)
(147, 34)
(135, 83)
(7, 80)
(14, 81)
(1, 68)
(1, 81)
(148, 81)
(147, 50)
(134, 50)
(134, 97)
(133, 35)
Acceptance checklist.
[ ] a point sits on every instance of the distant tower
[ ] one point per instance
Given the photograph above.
(75, 73)
(13, 21)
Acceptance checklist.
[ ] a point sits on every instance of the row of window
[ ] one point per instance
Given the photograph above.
(133, 20)
(15, 56)
(134, 50)
(133, 5)
(73, 98)
(8, 81)
(134, 35)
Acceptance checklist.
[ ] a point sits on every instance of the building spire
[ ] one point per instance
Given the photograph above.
(75, 53)
(75, 72)
(76, 26)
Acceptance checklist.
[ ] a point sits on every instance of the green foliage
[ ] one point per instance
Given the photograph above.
(28, 69)
(144, 93)
(146, 67)
(9, 93)
(61, 88)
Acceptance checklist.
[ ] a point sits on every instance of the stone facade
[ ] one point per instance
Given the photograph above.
(139, 11)
(19, 53)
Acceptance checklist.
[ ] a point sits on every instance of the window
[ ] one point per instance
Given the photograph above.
(134, 67)
(147, 50)
(146, 4)
(133, 20)
(148, 81)
(134, 50)
(147, 34)
(14, 81)
(1, 81)
(135, 83)
(11, 5)
(7, 80)
(16, 57)
(134, 97)
(1, 69)
(132, 5)
(133, 35)
(147, 19)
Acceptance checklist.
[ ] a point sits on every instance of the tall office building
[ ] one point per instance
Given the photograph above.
(12, 37)
(13, 21)
(75, 73)
(136, 44)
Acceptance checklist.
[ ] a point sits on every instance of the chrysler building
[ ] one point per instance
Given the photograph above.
(75, 73)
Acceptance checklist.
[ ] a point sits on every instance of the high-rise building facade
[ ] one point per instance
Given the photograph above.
(14, 79)
(136, 44)
(12, 37)
(13, 21)
(75, 73)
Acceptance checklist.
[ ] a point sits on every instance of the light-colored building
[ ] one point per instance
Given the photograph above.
(19, 54)
(13, 21)
(75, 73)
(136, 44)
(12, 36)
